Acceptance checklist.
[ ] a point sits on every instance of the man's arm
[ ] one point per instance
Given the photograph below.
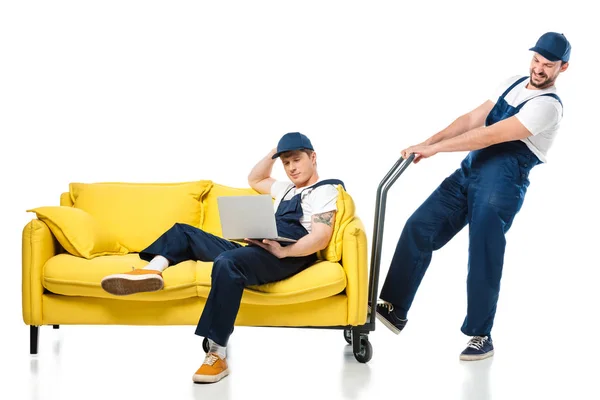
(317, 239)
(464, 123)
(259, 178)
(504, 131)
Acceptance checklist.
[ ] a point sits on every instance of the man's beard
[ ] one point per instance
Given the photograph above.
(544, 84)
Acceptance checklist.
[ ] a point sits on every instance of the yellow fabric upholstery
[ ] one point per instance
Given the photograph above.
(66, 310)
(343, 216)
(38, 246)
(74, 276)
(331, 311)
(320, 280)
(212, 221)
(78, 232)
(355, 261)
(65, 199)
(138, 213)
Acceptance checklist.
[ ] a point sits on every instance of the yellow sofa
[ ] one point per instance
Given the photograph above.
(99, 228)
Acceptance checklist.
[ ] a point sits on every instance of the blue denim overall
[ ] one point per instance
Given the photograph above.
(235, 267)
(486, 192)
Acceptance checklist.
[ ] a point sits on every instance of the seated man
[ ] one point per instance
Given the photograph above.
(305, 210)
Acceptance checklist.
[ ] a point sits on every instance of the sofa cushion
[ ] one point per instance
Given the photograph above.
(321, 280)
(75, 276)
(138, 213)
(78, 232)
(212, 221)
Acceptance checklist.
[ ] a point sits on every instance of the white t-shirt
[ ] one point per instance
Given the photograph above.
(313, 201)
(541, 116)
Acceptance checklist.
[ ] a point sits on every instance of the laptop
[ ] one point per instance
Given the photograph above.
(251, 217)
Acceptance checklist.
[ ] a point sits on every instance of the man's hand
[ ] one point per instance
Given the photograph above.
(271, 246)
(420, 151)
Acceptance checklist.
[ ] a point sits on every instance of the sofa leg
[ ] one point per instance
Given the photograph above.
(33, 339)
(55, 326)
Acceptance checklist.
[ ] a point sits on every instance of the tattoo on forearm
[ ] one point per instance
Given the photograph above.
(324, 218)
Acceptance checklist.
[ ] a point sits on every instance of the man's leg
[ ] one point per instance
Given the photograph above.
(233, 271)
(185, 242)
(429, 228)
(493, 204)
(180, 243)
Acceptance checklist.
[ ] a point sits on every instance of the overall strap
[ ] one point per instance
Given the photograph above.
(285, 194)
(545, 94)
(329, 182)
(553, 95)
(316, 185)
(511, 87)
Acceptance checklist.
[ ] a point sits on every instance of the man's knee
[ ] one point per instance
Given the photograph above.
(416, 228)
(225, 263)
(179, 226)
(222, 259)
(489, 218)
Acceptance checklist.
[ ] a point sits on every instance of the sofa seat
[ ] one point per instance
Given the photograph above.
(75, 276)
(70, 275)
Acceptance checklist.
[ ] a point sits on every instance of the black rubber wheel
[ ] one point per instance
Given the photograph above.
(366, 350)
(348, 336)
(205, 345)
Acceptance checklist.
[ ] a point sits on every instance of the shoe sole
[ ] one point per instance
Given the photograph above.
(387, 323)
(210, 378)
(476, 357)
(123, 284)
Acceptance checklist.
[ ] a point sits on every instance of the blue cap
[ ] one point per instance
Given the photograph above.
(292, 141)
(553, 46)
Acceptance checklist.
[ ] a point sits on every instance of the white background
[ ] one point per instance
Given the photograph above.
(149, 91)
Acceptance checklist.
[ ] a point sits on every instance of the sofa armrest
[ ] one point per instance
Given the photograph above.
(38, 246)
(354, 261)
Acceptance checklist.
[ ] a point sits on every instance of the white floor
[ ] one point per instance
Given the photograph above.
(102, 362)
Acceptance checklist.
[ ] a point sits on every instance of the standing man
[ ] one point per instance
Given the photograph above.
(305, 211)
(506, 137)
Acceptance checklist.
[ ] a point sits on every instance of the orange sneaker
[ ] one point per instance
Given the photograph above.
(212, 370)
(138, 280)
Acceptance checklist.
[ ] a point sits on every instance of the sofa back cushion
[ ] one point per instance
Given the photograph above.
(138, 213)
